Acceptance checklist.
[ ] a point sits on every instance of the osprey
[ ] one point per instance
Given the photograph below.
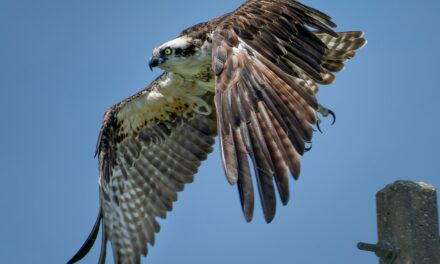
(251, 76)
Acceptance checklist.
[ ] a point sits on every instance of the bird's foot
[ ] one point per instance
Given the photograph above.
(325, 112)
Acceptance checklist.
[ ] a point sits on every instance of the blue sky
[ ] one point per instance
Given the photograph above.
(63, 63)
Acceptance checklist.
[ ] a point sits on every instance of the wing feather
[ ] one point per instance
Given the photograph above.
(244, 179)
(145, 159)
(268, 57)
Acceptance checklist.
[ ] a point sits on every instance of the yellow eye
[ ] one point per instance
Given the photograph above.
(168, 51)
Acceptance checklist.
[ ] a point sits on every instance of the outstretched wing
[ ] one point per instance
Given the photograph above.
(149, 147)
(267, 62)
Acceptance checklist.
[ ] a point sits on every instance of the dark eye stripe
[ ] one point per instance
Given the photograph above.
(189, 51)
(178, 51)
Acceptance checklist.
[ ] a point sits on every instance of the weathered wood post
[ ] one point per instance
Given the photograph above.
(407, 218)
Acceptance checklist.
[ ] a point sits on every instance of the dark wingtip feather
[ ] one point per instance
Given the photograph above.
(85, 248)
(269, 215)
(103, 252)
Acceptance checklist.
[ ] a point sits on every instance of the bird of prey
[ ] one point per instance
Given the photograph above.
(251, 77)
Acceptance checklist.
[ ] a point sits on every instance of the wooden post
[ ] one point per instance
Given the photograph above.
(407, 218)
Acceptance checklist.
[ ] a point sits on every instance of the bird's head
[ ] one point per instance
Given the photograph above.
(180, 55)
(172, 52)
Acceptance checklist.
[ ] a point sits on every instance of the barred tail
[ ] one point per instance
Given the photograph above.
(341, 48)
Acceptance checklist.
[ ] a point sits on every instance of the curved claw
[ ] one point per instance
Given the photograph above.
(318, 127)
(333, 115)
(307, 149)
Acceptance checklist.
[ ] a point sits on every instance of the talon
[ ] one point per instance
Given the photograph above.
(333, 116)
(326, 112)
(318, 126)
(307, 149)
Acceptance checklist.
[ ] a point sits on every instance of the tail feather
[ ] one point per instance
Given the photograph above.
(341, 48)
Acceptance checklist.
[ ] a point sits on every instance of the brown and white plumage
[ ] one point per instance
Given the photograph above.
(150, 145)
(249, 76)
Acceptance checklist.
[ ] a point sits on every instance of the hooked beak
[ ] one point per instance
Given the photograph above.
(153, 63)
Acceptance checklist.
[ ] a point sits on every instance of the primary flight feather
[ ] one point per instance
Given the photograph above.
(251, 77)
